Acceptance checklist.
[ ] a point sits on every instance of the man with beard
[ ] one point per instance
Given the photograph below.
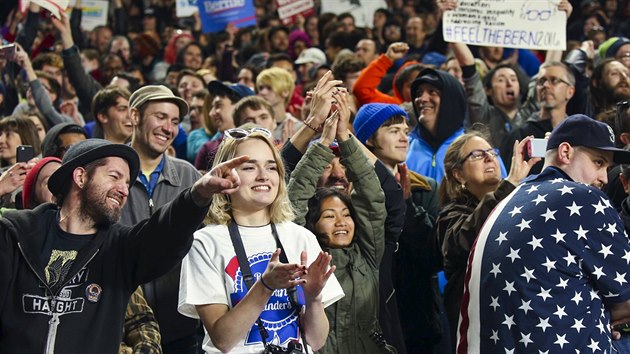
(555, 85)
(68, 270)
(596, 93)
(609, 84)
(156, 113)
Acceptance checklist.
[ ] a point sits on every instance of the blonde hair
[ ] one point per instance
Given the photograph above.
(279, 80)
(280, 210)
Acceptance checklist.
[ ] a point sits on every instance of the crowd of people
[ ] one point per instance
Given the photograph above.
(318, 186)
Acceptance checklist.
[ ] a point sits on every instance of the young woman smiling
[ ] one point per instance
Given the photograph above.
(256, 211)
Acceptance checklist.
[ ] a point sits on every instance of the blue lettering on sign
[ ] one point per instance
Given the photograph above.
(500, 37)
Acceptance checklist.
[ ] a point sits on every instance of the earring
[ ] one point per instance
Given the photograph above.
(462, 187)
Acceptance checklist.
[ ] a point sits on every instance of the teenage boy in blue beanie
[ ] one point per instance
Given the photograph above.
(383, 129)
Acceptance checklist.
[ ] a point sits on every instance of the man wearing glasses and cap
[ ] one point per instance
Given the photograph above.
(67, 270)
(548, 271)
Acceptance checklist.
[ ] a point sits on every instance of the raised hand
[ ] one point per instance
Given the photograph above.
(343, 107)
(402, 176)
(330, 129)
(280, 275)
(397, 50)
(221, 179)
(589, 48)
(565, 5)
(20, 56)
(520, 166)
(322, 100)
(65, 31)
(13, 178)
(317, 275)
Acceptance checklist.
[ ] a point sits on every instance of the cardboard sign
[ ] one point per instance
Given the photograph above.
(186, 8)
(216, 14)
(288, 10)
(527, 24)
(54, 6)
(362, 10)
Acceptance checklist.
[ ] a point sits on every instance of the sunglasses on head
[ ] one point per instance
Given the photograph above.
(239, 133)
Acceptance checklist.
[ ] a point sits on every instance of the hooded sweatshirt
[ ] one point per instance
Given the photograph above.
(49, 145)
(426, 151)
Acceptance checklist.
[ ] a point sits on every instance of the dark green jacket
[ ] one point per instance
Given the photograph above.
(354, 318)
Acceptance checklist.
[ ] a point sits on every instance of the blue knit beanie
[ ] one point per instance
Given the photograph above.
(371, 116)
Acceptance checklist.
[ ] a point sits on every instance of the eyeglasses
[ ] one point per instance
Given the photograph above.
(553, 81)
(239, 134)
(480, 154)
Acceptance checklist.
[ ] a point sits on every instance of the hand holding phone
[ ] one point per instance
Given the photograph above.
(536, 148)
(24, 153)
(7, 51)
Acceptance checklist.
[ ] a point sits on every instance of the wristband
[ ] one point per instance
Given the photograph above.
(310, 126)
(265, 285)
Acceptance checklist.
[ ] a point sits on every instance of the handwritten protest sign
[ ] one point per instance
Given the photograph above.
(216, 14)
(528, 24)
(288, 10)
(185, 8)
(362, 10)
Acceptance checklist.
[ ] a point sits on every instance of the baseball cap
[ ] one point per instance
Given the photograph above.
(311, 55)
(157, 93)
(86, 151)
(581, 130)
(427, 76)
(237, 91)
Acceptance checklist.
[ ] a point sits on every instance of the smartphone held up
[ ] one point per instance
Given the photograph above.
(24, 153)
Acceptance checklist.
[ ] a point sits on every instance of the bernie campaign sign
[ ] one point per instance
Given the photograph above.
(216, 14)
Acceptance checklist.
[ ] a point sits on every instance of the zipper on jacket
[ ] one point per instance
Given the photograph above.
(150, 207)
(433, 160)
(54, 321)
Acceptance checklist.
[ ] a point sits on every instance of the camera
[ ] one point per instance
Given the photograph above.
(536, 148)
(293, 348)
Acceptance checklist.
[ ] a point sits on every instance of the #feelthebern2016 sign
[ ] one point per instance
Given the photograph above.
(527, 24)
